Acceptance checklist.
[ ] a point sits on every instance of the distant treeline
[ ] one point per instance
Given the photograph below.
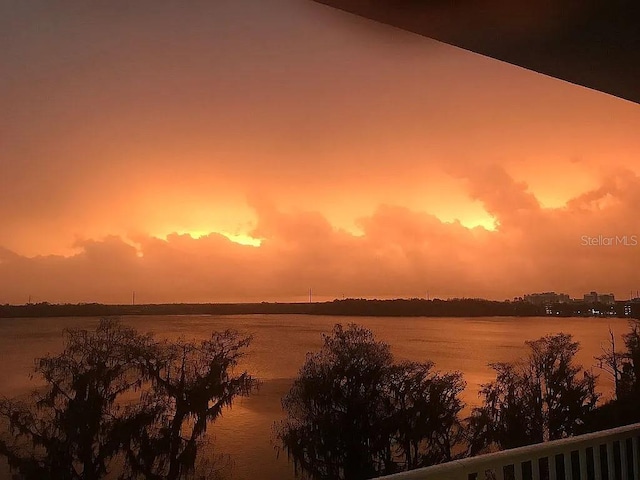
(346, 307)
(464, 307)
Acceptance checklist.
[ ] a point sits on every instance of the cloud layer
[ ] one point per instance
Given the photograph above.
(401, 252)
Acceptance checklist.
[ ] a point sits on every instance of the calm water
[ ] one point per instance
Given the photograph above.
(280, 343)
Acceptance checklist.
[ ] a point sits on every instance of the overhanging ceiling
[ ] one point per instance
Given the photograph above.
(591, 43)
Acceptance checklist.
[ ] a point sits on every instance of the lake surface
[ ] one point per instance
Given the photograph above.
(280, 344)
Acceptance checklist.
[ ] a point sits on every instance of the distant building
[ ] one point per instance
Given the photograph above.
(591, 297)
(546, 298)
(595, 297)
(607, 299)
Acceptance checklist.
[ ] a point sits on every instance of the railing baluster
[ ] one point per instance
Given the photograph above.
(636, 456)
(568, 473)
(517, 470)
(623, 459)
(611, 466)
(535, 468)
(552, 467)
(597, 463)
(500, 472)
(582, 453)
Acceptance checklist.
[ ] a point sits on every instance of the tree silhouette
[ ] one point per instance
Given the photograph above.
(612, 362)
(76, 423)
(115, 399)
(543, 397)
(624, 366)
(192, 384)
(423, 419)
(630, 376)
(352, 412)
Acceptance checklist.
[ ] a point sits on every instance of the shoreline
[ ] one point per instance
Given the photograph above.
(339, 308)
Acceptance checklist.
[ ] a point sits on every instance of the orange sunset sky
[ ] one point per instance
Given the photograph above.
(247, 150)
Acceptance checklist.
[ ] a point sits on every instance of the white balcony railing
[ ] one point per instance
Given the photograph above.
(608, 454)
